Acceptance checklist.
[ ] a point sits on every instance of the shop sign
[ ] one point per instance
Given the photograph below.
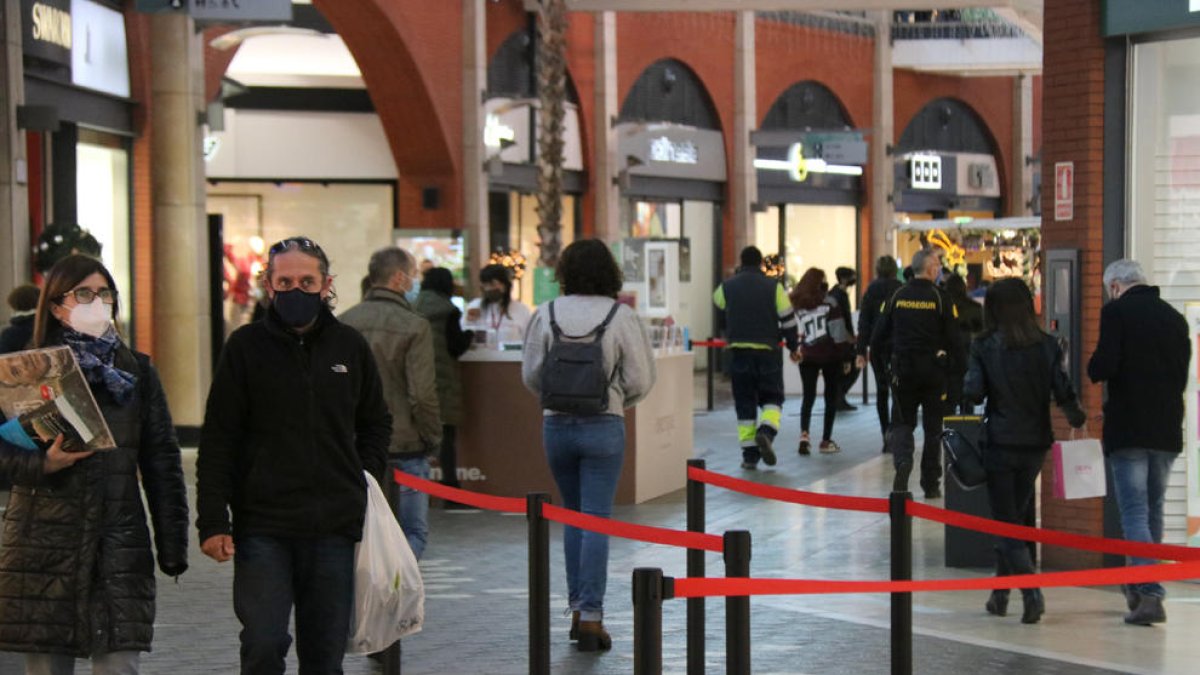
(663, 149)
(495, 133)
(240, 10)
(1130, 17)
(47, 30)
(101, 58)
(925, 172)
(1064, 190)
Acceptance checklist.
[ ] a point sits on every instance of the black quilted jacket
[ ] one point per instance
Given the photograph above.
(76, 568)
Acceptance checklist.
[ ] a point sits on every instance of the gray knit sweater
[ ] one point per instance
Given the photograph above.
(626, 347)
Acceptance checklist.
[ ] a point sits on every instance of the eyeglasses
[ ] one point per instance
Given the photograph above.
(85, 296)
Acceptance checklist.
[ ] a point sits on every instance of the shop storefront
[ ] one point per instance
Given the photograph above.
(1161, 136)
(672, 183)
(510, 136)
(809, 166)
(78, 121)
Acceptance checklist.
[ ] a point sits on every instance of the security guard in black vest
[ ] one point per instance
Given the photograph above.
(757, 313)
(917, 334)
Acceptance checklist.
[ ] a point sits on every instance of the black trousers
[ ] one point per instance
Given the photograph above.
(757, 378)
(831, 372)
(883, 389)
(1011, 478)
(918, 382)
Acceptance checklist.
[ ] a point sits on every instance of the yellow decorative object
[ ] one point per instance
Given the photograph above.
(513, 259)
(955, 255)
(773, 266)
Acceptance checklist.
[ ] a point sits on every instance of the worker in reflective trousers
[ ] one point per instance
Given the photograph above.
(917, 334)
(757, 314)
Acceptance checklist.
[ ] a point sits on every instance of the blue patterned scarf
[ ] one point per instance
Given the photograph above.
(96, 356)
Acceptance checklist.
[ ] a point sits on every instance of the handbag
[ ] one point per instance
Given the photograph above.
(389, 595)
(964, 460)
(1079, 469)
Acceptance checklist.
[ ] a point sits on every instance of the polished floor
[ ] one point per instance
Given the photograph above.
(475, 571)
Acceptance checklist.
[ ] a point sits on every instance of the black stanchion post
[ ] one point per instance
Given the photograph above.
(712, 357)
(695, 570)
(737, 609)
(902, 652)
(647, 620)
(867, 374)
(539, 584)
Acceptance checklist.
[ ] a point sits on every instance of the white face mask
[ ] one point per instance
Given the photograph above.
(91, 319)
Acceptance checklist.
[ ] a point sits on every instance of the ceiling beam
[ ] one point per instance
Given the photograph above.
(779, 5)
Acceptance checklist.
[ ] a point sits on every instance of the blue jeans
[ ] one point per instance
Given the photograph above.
(272, 573)
(1140, 480)
(412, 506)
(585, 455)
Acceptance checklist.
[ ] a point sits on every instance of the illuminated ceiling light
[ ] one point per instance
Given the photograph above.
(234, 38)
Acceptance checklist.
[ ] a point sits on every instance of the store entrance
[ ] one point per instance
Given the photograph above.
(809, 235)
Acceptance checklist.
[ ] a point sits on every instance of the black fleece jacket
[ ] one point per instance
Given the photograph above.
(1143, 356)
(292, 421)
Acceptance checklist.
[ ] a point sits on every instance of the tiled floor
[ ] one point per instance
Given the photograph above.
(475, 571)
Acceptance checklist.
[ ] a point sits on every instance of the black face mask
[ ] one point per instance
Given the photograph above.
(492, 297)
(297, 308)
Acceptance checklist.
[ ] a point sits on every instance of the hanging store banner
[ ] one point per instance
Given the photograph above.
(240, 10)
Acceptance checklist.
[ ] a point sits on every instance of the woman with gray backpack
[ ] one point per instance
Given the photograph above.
(588, 359)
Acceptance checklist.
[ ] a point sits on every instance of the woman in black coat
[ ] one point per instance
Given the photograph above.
(1017, 368)
(76, 566)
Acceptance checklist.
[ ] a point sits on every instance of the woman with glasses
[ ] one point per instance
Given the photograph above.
(77, 574)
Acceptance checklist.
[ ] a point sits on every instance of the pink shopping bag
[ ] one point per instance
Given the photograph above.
(1079, 469)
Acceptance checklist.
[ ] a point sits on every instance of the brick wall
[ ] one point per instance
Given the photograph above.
(1073, 124)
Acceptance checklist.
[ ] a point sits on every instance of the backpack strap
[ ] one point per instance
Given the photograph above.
(598, 331)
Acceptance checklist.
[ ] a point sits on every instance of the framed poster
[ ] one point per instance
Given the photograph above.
(656, 276)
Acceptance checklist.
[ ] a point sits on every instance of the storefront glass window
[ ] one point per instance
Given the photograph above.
(349, 221)
(102, 193)
(523, 236)
(1164, 224)
(816, 235)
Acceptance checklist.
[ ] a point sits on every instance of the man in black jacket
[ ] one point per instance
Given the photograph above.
(846, 278)
(879, 291)
(1143, 355)
(757, 313)
(296, 413)
(917, 335)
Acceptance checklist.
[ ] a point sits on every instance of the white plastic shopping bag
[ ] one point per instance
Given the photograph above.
(389, 595)
(1079, 469)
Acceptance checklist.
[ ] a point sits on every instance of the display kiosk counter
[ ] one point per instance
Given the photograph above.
(500, 448)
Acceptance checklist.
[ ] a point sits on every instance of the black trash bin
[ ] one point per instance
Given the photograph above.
(967, 548)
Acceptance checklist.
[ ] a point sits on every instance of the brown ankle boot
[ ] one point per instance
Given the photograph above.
(593, 637)
(574, 634)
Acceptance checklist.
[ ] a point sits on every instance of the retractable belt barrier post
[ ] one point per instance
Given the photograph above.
(695, 569)
(539, 584)
(650, 588)
(901, 535)
(737, 608)
(712, 357)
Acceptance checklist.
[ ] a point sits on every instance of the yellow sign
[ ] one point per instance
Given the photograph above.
(799, 166)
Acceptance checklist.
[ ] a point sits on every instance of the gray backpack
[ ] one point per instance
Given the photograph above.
(574, 380)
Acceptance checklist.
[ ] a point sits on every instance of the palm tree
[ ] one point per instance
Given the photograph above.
(552, 92)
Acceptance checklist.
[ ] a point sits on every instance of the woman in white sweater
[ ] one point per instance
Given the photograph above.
(585, 451)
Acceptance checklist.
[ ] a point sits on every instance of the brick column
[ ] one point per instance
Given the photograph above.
(14, 198)
(1073, 131)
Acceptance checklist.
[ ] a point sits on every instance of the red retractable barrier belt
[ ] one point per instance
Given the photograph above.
(479, 501)
(709, 343)
(781, 494)
(698, 588)
(646, 533)
(1078, 541)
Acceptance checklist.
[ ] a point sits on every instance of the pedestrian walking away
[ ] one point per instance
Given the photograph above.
(917, 334)
(295, 415)
(1017, 368)
(846, 278)
(826, 348)
(1142, 356)
(77, 570)
(878, 292)
(758, 314)
(583, 427)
